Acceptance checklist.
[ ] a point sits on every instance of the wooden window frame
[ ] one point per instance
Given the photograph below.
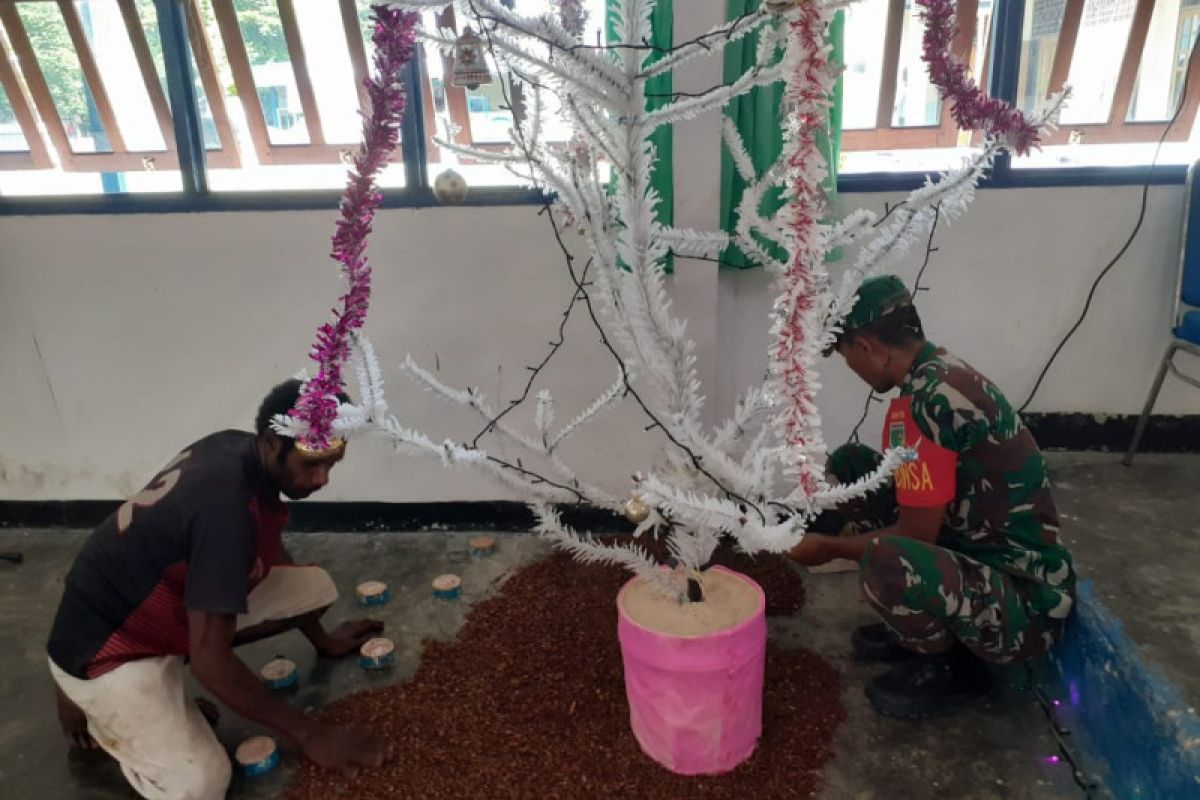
(195, 196)
(119, 158)
(35, 156)
(228, 155)
(456, 96)
(456, 100)
(885, 135)
(1192, 13)
(317, 150)
(1117, 129)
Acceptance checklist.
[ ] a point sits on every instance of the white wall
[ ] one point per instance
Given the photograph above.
(1009, 280)
(123, 338)
(118, 352)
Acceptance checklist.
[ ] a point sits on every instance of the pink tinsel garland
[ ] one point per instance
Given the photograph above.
(393, 39)
(973, 109)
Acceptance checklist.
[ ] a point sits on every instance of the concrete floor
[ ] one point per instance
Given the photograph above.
(34, 752)
(996, 749)
(1136, 533)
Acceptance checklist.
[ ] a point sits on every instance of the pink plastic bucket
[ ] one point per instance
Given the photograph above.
(695, 702)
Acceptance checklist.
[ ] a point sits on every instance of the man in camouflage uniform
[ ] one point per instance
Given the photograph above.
(960, 555)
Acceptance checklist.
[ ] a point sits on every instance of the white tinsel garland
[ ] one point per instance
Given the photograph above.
(707, 483)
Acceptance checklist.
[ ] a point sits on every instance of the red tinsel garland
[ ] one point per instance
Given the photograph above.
(808, 92)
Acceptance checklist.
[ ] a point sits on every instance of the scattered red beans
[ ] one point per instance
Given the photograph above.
(529, 702)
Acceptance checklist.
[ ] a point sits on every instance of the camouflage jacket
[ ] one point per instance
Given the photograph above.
(1000, 510)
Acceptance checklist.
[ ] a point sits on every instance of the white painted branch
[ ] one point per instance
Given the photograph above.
(689, 242)
(737, 150)
(602, 403)
(714, 41)
(585, 549)
(690, 107)
(489, 156)
(543, 30)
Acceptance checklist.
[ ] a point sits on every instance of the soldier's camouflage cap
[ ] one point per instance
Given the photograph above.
(877, 297)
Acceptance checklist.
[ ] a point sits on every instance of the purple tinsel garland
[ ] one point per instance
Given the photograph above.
(393, 39)
(973, 108)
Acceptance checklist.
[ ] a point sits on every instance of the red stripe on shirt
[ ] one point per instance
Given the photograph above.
(157, 627)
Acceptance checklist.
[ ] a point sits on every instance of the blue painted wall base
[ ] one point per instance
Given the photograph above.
(1125, 716)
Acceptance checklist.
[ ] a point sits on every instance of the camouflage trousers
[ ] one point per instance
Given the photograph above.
(931, 596)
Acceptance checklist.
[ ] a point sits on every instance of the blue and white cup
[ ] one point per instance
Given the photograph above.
(372, 593)
(482, 546)
(447, 587)
(280, 675)
(377, 653)
(257, 756)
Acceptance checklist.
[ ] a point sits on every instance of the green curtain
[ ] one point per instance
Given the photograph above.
(759, 121)
(658, 89)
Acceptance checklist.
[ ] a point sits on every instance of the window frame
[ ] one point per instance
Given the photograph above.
(183, 37)
(457, 102)
(1004, 62)
(118, 157)
(886, 135)
(1118, 128)
(37, 156)
(317, 150)
(181, 31)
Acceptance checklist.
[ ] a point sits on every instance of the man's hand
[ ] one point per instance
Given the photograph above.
(74, 722)
(345, 750)
(348, 637)
(814, 549)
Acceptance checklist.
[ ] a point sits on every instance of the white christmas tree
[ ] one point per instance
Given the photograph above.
(758, 477)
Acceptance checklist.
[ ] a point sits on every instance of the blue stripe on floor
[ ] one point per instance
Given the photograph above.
(1132, 718)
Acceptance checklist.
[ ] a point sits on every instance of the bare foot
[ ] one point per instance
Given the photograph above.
(209, 709)
(74, 722)
(348, 637)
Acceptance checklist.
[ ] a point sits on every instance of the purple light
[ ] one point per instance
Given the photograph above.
(1074, 691)
(1057, 703)
(1052, 759)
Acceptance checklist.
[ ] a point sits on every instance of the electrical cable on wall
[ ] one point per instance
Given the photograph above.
(1067, 752)
(1128, 242)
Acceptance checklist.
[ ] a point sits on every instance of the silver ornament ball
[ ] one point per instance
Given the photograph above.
(450, 188)
(636, 510)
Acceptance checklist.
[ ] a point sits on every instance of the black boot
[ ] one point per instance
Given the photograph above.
(876, 643)
(929, 685)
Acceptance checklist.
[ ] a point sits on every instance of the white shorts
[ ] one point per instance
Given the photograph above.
(140, 714)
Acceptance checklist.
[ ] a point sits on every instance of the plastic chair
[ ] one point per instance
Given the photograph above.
(1186, 333)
